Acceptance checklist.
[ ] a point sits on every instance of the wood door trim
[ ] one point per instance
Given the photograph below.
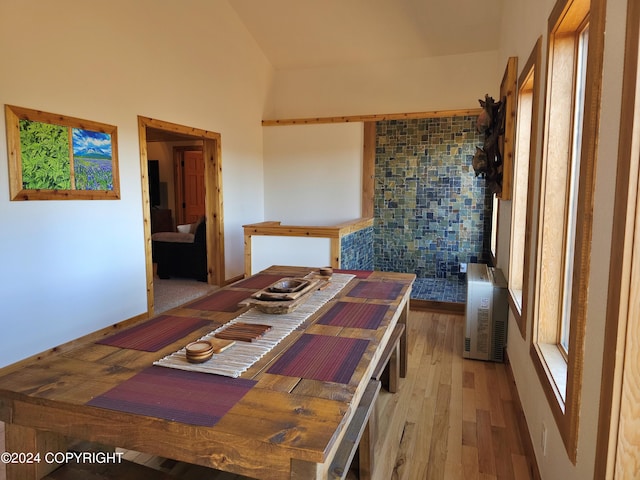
(212, 153)
(368, 169)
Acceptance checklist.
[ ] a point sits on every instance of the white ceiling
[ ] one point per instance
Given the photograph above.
(296, 34)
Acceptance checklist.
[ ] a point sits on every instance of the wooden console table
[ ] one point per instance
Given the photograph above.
(280, 426)
(333, 232)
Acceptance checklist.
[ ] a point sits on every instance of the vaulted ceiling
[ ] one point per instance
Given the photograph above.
(296, 34)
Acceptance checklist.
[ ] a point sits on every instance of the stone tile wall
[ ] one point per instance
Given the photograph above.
(431, 212)
(356, 250)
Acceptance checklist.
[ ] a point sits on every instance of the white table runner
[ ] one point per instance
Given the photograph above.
(242, 355)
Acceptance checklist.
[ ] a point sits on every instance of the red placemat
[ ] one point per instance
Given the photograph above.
(221, 301)
(259, 281)
(155, 334)
(377, 290)
(354, 315)
(188, 397)
(357, 273)
(321, 357)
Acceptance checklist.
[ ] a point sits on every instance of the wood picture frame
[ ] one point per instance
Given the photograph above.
(57, 157)
(506, 141)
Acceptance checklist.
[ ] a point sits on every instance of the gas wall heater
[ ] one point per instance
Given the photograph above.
(486, 313)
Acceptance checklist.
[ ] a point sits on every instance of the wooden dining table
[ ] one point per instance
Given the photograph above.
(284, 416)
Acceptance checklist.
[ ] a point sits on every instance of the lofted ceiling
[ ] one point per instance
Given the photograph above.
(298, 34)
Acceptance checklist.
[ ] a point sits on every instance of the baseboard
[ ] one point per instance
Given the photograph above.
(522, 422)
(438, 307)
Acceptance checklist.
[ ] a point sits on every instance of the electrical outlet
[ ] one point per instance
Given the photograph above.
(463, 268)
(543, 439)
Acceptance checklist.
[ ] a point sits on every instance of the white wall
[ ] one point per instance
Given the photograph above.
(312, 177)
(307, 252)
(523, 22)
(413, 85)
(71, 267)
(313, 173)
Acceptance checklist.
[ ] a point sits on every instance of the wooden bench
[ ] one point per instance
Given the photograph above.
(388, 368)
(123, 470)
(359, 435)
(388, 372)
(341, 462)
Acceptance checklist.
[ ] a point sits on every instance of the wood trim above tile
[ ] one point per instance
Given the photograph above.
(372, 118)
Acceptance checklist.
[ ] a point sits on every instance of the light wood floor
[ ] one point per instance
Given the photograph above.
(457, 416)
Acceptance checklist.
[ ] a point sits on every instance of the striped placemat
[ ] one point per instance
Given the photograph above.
(258, 281)
(155, 334)
(377, 290)
(357, 273)
(354, 315)
(186, 397)
(241, 356)
(221, 301)
(321, 357)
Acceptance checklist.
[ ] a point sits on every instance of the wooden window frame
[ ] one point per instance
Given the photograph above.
(15, 115)
(561, 378)
(617, 448)
(506, 141)
(522, 244)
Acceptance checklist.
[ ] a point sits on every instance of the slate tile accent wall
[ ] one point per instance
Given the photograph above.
(356, 250)
(431, 212)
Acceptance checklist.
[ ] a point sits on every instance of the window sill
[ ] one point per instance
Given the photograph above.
(516, 301)
(515, 305)
(555, 369)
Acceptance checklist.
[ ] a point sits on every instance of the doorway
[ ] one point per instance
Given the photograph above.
(155, 130)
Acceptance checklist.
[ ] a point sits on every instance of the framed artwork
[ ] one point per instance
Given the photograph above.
(55, 157)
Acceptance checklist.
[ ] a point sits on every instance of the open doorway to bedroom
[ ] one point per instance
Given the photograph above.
(151, 133)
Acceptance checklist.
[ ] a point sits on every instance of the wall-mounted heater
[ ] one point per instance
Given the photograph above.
(486, 313)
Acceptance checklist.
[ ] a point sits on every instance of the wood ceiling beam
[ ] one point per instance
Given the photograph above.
(372, 118)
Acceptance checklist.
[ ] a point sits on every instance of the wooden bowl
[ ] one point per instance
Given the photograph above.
(199, 352)
(288, 285)
(326, 271)
(199, 359)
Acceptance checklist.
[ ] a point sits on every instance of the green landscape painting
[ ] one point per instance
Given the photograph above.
(92, 160)
(54, 159)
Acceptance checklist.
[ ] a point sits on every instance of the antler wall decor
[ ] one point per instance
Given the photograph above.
(487, 160)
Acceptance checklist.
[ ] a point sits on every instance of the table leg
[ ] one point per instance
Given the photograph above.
(366, 448)
(404, 317)
(31, 442)
(302, 470)
(394, 369)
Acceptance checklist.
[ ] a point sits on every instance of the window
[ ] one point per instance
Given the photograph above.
(524, 174)
(574, 173)
(574, 72)
(495, 210)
